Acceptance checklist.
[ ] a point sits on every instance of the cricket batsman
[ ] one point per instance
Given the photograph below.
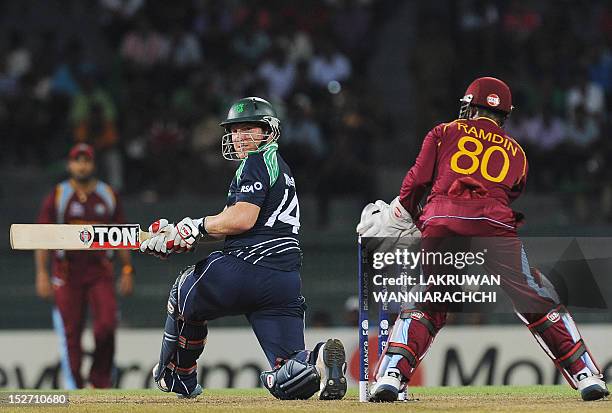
(475, 171)
(256, 273)
(83, 279)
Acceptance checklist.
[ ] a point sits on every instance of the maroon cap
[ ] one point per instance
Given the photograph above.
(81, 149)
(489, 92)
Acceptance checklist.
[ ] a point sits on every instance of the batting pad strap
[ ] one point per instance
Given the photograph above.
(546, 321)
(182, 370)
(404, 351)
(420, 317)
(571, 356)
(191, 344)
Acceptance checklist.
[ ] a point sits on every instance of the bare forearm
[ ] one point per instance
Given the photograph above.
(234, 220)
(41, 261)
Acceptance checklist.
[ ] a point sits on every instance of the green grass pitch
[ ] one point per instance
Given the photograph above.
(431, 399)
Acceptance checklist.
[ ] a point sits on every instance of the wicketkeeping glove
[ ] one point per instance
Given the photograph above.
(371, 219)
(387, 222)
(399, 222)
(158, 243)
(186, 234)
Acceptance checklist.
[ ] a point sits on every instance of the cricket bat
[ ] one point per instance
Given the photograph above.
(76, 237)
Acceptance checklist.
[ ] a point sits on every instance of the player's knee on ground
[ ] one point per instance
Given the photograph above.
(182, 345)
(294, 379)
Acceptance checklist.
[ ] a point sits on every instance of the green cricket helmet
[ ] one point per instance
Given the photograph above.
(251, 110)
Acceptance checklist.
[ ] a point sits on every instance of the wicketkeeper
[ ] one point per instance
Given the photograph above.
(475, 171)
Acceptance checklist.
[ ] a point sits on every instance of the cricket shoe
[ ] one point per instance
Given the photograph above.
(592, 388)
(194, 393)
(331, 363)
(177, 385)
(387, 387)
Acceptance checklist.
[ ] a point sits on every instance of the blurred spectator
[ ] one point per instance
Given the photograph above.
(71, 63)
(117, 15)
(278, 71)
(96, 129)
(124, 9)
(477, 15)
(19, 57)
(100, 132)
(298, 46)
(543, 136)
(521, 19)
(544, 130)
(587, 94)
(583, 129)
(302, 141)
(144, 47)
(329, 64)
(185, 51)
(90, 94)
(250, 42)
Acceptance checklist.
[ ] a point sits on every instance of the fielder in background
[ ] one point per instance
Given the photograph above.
(256, 274)
(475, 170)
(82, 279)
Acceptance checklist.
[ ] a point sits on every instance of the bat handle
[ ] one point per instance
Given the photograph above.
(144, 235)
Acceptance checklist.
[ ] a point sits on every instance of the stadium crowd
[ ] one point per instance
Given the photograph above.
(557, 58)
(146, 82)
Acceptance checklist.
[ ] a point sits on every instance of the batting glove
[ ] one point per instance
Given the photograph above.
(158, 243)
(185, 235)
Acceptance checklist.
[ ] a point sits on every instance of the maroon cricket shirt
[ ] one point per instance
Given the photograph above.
(475, 169)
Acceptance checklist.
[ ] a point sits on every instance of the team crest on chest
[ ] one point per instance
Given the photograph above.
(76, 209)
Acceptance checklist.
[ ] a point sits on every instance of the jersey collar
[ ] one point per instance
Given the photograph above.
(484, 117)
(264, 148)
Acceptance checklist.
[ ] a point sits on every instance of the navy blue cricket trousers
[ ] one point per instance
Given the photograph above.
(224, 285)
